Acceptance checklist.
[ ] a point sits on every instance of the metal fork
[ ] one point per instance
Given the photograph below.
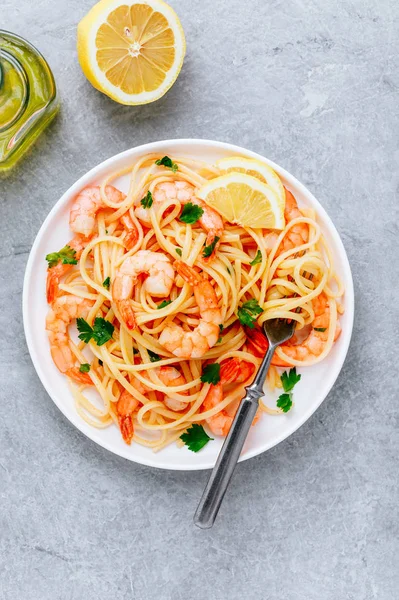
(277, 332)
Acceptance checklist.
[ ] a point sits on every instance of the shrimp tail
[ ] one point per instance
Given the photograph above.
(127, 313)
(131, 239)
(189, 274)
(51, 286)
(132, 234)
(126, 427)
(257, 341)
(78, 376)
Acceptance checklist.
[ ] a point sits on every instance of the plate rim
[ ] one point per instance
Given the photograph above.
(76, 420)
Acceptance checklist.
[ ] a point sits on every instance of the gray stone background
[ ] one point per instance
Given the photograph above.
(312, 84)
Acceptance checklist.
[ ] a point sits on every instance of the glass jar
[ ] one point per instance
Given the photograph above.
(28, 97)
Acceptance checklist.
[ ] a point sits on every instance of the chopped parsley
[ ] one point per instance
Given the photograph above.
(221, 326)
(135, 351)
(84, 368)
(320, 329)
(289, 380)
(164, 303)
(211, 374)
(257, 259)
(195, 437)
(209, 249)
(100, 362)
(107, 283)
(154, 357)
(147, 201)
(178, 251)
(168, 163)
(248, 312)
(191, 213)
(66, 255)
(101, 332)
(284, 402)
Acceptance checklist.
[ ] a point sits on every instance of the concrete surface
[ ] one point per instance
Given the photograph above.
(312, 84)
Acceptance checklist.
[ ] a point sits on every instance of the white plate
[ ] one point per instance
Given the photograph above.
(316, 381)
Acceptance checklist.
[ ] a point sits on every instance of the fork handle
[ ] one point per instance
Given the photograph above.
(223, 470)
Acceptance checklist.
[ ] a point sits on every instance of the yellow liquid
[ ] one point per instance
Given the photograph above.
(28, 99)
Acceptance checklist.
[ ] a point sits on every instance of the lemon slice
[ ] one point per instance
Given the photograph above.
(131, 51)
(243, 199)
(253, 167)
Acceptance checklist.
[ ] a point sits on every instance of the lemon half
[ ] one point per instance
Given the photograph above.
(245, 200)
(253, 167)
(131, 51)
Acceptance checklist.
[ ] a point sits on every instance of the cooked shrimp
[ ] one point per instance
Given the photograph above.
(170, 376)
(88, 202)
(183, 192)
(125, 407)
(296, 235)
(310, 347)
(64, 309)
(54, 274)
(132, 235)
(159, 282)
(194, 344)
(234, 370)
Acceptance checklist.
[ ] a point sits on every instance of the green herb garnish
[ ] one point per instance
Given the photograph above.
(107, 283)
(178, 251)
(101, 332)
(248, 312)
(66, 255)
(168, 163)
(164, 303)
(211, 374)
(191, 213)
(320, 329)
(195, 437)
(154, 357)
(147, 201)
(284, 402)
(209, 249)
(84, 368)
(289, 380)
(257, 259)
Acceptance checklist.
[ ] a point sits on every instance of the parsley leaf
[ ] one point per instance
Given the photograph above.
(178, 251)
(209, 249)
(84, 368)
(195, 437)
(168, 163)
(164, 303)
(219, 340)
(284, 402)
(248, 311)
(211, 374)
(147, 201)
(289, 380)
(101, 332)
(221, 326)
(135, 351)
(154, 357)
(85, 331)
(107, 283)
(320, 329)
(257, 259)
(191, 213)
(66, 255)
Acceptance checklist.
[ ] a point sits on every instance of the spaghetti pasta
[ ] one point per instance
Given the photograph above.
(159, 310)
